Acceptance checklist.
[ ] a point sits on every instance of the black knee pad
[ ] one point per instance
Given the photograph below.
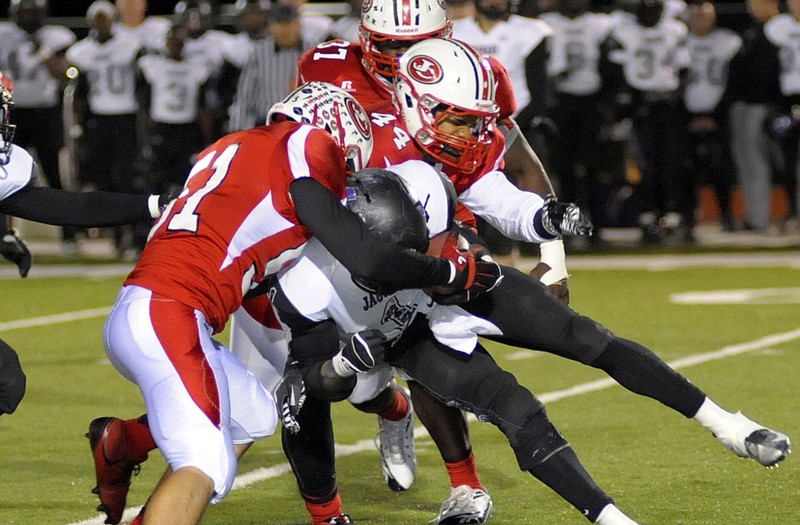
(537, 441)
(331, 389)
(379, 403)
(590, 338)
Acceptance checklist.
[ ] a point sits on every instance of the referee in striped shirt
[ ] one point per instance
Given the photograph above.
(270, 73)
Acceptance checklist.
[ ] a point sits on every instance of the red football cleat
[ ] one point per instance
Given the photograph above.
(113, 466)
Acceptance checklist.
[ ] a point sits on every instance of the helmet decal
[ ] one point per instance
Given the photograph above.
(425, 69)
(359, 116)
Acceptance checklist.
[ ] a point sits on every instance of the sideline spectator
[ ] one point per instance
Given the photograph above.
(316, 28)
(205, 46)
(755, 89)
(711, 49)
(133, 20)
(346, 27)
(458, 9)
(784, 32)
(574, 66)
(171, 90)
(32, 54)
(106, 108)
(651, 52)
(271, 72)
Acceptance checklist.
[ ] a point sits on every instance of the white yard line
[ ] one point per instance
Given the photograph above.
(261, 474)
(66, 317)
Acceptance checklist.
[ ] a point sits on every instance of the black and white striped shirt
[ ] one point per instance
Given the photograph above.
(267, 77)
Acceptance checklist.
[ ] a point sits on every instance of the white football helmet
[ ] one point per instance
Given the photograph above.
(442, 79)
(6, 128)
(330, 108)
(397, 24)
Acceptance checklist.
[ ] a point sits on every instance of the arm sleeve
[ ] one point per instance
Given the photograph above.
(344, 235)
(82, 209)
(505, 207)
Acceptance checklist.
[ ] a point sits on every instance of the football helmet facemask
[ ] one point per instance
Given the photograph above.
(397, 24)
(446, 80)
(328, 107)
(6, 128)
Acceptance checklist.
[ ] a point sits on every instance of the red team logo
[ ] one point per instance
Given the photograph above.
(366, 5)
(425, 70)
(359, 117)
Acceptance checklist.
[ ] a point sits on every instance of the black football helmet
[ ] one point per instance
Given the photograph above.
(391, 212)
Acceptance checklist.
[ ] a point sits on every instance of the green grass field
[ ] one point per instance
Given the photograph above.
(660, 468)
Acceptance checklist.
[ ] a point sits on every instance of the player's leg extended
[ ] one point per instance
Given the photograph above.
(529, 317)
(475, 383)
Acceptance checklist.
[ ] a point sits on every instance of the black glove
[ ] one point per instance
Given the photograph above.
(15, 250)
(474, 273)
(290, 394)
(361, 353)
(561, 218)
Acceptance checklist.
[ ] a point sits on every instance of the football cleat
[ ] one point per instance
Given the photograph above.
(768, 447)
(465, 505)
(341, 519)
(750, 440)
(395, 441)
(113, 466)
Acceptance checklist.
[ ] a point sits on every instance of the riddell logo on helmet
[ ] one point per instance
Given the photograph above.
(425, 70)
(414, 30)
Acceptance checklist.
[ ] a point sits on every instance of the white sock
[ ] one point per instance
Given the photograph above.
(611, 515)
(714, 418)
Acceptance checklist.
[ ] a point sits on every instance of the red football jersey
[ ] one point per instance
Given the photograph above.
(339, 62)
(235, 222)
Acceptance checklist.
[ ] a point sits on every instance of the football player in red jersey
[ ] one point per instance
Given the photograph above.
(250, 203)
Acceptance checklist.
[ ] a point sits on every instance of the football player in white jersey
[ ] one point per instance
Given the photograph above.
(205, 45)
(133, 20)
(711, 49)
(651, 53)
(269, 190)
(340, 326)
(172, 91)
(20, 196)
(106, 108)
(784, 32)
(578, 42)
(32, 53)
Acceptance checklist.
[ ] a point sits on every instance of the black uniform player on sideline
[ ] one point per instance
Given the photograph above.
(20, 197)
(458, 371)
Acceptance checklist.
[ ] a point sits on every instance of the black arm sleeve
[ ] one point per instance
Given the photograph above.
(344, 235)
(82, 209)
(538, 84)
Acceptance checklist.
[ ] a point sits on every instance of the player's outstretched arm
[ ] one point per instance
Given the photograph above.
(81, 209)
